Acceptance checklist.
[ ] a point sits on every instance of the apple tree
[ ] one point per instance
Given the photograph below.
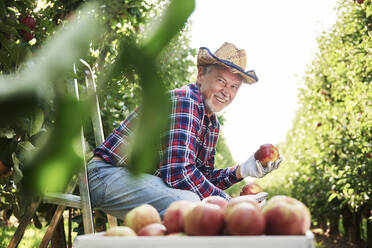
(25, 26)
(329, 147)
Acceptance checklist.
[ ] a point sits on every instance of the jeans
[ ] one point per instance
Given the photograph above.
(116, 191)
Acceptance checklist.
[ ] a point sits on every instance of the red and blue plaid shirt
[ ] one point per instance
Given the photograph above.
(187, 158)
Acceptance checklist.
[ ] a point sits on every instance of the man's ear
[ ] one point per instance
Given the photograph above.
(200, 73)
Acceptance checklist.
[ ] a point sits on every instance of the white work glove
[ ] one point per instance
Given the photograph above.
(254, 168)
(260, 198)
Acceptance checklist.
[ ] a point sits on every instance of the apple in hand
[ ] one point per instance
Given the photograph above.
(174, 215)
(205, 219)
(251, 189)
(217, 200)
(120, 231)
(286, 216)
(245, 218)
(141, 216)
(267, 153)
(154, 229)
(236, 200)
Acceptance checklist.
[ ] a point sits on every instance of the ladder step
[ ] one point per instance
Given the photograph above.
(68, 200)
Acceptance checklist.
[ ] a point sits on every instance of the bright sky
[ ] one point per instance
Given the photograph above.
(279, 38)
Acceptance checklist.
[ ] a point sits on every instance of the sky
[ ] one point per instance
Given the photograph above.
(279, 38)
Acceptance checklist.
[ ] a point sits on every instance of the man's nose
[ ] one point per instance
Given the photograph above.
(226, 91)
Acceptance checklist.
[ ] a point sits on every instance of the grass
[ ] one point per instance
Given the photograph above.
(32, 237)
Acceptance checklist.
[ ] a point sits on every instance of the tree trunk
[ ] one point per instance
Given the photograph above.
(347, 222)
(333, 227)
(323, 224)
(352, 225)
(369, 234)
(356, 236)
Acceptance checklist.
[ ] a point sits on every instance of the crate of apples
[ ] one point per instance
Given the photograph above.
(214, 222)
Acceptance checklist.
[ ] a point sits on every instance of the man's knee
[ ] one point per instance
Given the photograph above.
(190, 196)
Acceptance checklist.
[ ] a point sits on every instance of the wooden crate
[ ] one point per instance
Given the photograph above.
(264, 241)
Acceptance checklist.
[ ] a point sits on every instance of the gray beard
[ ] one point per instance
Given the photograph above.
(209, 107)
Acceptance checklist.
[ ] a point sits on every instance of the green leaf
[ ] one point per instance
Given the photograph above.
(173, 20)
(369, 11)
(36, 121)
(7, 133)
(9, 29)
(145, 144)
(26, 150)
(17, 173)
(56, 162)
(50, 62)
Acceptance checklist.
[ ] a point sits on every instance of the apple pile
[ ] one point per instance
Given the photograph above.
(282, 215)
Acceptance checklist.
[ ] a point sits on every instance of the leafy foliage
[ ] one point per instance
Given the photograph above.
(34, 94)
(329, 147)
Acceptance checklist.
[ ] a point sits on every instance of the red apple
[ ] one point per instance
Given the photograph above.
(234, 201)
(286, 216)
(251, 189)
(120, 231)
(29, 22)
(4, 170)
(27, 36)
(174, 215)
(359, 1)
(204, 220)
(154, 229)
(141, 216)
(217, 200)
(267, 153)
(245, 218)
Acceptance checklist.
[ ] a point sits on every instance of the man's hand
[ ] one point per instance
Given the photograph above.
(260, 198)
(254, 168)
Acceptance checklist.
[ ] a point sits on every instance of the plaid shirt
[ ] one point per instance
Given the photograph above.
(187, 157)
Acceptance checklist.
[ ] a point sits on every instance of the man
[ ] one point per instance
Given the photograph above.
(186, 169)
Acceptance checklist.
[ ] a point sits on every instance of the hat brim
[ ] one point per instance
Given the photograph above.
(205, 57)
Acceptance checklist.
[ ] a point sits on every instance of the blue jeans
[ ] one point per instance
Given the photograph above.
(116, 191)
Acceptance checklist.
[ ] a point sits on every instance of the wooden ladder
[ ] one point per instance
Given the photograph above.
(67, 199)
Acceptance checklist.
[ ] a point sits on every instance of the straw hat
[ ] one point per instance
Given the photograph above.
(230, 56)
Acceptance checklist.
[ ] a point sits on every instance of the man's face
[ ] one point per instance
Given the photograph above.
(218, 87)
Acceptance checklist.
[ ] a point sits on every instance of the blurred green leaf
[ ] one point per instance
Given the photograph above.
(56, 162)
(7, 133)
(145, 144)
(173, 20)
(36, 121)
(17, 173)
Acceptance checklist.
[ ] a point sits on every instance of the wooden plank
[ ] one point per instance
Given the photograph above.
(68, 200)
